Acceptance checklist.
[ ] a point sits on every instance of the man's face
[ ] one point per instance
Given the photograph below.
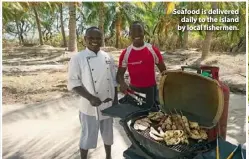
(93, 40)
(137, 35)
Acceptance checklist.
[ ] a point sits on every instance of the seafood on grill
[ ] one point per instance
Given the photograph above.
(142, 124)
(167, 123)
(172, 141)
(173, 129)
(194, 125)
(161, 131)
(170, 137)
(174, 137)
(155, 137)
(198, 134)
(186, 123)
(155, 116)
(152, 130)
(178, 122)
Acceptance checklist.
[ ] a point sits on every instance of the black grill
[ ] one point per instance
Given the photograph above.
(193, 146)
(147, 147)
(178, 148)
(160, 148)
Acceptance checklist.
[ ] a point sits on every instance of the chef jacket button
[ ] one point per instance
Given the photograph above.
(95, 81)
(92, 69)
(107, 90)
(96, 92)
(107, 78)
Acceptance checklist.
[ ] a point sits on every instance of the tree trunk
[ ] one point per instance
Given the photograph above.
(118, 28)
(102, 21)
(185, 34)
(185, 39)
(21, 31)
(242, 48)
(62, 27)
(38, 25)
(112, 34)
(179, 43)
(72, 43)
(18, 30)
(180, 39)
(19, 35)
(207, 42)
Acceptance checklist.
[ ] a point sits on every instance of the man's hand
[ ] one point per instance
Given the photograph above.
(123, 87)
(95, 101)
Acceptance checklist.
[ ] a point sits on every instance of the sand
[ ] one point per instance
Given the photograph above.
(52, 130)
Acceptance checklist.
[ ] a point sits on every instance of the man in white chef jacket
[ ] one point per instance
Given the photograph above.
(92, 74)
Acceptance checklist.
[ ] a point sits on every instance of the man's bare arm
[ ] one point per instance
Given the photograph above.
(82, 91)
(120, 75)
(120, 79)
(161, 66)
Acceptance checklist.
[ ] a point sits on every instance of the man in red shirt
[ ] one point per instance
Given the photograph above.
(140, 59)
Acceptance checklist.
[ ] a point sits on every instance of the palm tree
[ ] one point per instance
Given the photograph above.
(207, 41)
(72, 42)
(14, 11)
(125, 13)
(62, 26)
(118, 21)
(34, 5)
(111, 17)
(102, 20)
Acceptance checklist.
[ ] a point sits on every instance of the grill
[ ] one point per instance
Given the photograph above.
(181, 91)
(160, 149)
(193, 146)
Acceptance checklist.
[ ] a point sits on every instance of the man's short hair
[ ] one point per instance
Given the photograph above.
(91, 28)
(137, 23)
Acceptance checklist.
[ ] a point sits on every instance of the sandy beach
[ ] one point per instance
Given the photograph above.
(51, 130)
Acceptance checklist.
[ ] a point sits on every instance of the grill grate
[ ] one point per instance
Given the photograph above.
(192, 147)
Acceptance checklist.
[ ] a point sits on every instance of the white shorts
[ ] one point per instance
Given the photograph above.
(90, 128)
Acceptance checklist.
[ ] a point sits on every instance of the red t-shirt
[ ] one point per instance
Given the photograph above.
(140, 63)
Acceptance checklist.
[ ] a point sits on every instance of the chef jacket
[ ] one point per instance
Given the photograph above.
(98, 75)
